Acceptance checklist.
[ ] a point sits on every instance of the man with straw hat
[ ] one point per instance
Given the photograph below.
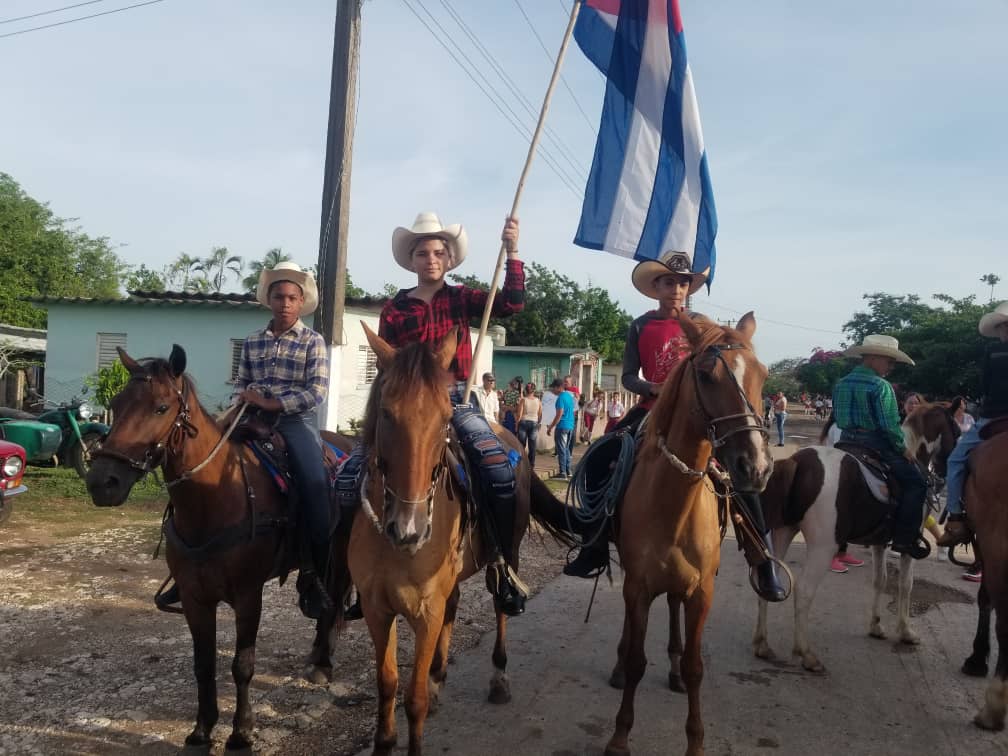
(427, 313)
(865, 408)
(284, 369)
(655, 345)
(994, 404)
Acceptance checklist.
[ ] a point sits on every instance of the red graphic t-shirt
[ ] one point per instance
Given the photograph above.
(661, 346)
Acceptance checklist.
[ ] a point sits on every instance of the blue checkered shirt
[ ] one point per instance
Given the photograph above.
(292, 367)
(864, 401)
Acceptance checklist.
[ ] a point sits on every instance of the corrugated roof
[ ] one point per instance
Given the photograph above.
(186, 299)
(545, 349)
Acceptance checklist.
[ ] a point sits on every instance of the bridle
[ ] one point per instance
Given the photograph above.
(171, 443)
(712, 422)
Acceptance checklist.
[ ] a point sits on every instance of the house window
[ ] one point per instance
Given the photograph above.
(236, 350)
(608, 382)
(107, 343)
(367, 365)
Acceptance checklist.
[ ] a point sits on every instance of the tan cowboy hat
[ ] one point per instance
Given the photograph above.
(425, 225)
(648, 271)
(990, 321)
(883, 346)
(289, 271)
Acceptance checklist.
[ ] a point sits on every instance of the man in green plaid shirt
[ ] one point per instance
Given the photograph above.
(864, 405)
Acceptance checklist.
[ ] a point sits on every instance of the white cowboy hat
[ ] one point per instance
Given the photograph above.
(289, 271)
(428, 224)
(883, 346)
(990, 321)
(648, 271)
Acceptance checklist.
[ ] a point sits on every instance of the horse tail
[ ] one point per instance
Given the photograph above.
(550, 513)
(830, 422)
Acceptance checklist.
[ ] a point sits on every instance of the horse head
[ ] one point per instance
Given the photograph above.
(151, 415)
(931, 433)
(406, 429)
(727, 383)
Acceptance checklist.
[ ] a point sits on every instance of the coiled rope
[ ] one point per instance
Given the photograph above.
(595, 507)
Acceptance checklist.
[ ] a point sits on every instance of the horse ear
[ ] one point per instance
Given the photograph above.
(132, 366)
(747, 325)
(177, 361)
(382, 349)
(445, 352)
(690, 328)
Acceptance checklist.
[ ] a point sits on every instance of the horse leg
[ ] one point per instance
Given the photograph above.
(637, 604)
(817, 561)
(697, 607)
(202, 621)
(782, 538)
(992, 715)
(675, 645)
(383, 635)
(618, 677)
(427, 629)
(976, 664)
(439, 666)
(500, 687)
(247, 615)
(320, 658)
(875, 629)
(903, 631)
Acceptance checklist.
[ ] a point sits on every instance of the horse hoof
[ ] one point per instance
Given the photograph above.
(238, 743)
(985, 722)
(319, 675)
(763, 651)
(909, 639)
(974, 668)
(196, 748)
(612, 750)
(499, 694)
(617, 679)
(878, 632)
(675, 683)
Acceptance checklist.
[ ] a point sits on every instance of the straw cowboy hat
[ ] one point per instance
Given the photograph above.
(883, 346)
(289, 271)
(426, 225)
(990, 321)
(648, 271)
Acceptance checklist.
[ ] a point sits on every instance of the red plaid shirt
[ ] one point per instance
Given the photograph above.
(405, 319)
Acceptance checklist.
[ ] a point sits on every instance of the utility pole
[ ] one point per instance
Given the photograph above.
(336, 198)
(336, 183)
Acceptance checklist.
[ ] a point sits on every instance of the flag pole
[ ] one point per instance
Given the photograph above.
(518, 192)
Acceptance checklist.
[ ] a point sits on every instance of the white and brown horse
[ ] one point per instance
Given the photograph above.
(823, 493)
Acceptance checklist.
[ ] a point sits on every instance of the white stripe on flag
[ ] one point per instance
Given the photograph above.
(682, 230)
(633, 198)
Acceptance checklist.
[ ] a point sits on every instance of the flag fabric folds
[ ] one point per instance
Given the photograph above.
(649, 191)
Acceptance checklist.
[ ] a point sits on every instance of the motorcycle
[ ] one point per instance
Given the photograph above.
(64, 434)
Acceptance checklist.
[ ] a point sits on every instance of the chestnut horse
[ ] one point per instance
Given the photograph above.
(821, 492)
(412, 543)
(226, 516)
(987, 510)
(668, 532)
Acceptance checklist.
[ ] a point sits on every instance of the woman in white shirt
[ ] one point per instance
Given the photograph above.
(529, 420)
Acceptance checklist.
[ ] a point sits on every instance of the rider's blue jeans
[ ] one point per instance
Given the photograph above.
(304, 453)
(955, 477)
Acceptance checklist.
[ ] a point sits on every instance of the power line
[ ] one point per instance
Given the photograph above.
(775, 322)
(522, 130)
(551, 135)
(46, 13)
(79, 18)
(563, 79)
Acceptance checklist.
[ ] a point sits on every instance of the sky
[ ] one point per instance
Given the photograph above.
(852, 148)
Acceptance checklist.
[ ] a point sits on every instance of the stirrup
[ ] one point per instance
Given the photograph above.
(166, 601)
(754, 581)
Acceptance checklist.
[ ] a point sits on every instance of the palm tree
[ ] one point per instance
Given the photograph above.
(991, 279)
(217, 266)
(272, 258)
(180, 273)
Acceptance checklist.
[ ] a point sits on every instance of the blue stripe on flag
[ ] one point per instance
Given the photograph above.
(617, 115)
(671, 172)
(705, 253)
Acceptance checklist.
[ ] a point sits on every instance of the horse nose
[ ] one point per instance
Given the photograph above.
(392, 531)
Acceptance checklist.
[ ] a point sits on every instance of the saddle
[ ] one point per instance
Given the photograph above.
(873, 469)
(872, 527)
(994, 428)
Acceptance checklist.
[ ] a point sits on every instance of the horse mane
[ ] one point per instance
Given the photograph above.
(414, 365)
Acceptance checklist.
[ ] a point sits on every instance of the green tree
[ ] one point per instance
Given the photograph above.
(182, 274)
(602, 324)
(270, 260)
(108, 382)
(992, 280)
(142, 278)
(782, 377)
(218, 266)
(42, 255)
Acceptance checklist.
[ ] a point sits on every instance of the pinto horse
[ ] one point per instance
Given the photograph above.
(988, 515)
(412, 541)
(226, 516)
(668, 531)
(822, 492)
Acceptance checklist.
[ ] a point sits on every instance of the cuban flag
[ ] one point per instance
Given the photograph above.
(649, 191)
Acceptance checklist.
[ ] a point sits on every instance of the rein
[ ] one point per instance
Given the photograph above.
(712, 422)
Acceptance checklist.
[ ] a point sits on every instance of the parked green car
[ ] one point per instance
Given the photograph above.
(62, 435)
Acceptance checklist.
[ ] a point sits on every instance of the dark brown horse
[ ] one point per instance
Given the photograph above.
(226, 523)
(668, 533)
(412, 542)
(986, 498)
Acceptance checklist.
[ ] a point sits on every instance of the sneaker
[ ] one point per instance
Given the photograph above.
(837, 566)
(974, 574)
(850, 561)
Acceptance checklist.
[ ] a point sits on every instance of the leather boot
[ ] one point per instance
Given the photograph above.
(768, 585)
(957, 531)
(591, 561)
(508, 591)
(314, 600)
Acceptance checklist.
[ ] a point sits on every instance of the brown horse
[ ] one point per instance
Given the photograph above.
(823, 493)
(668, 532)
(225, 532)
(986, 508)
(412, 543)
